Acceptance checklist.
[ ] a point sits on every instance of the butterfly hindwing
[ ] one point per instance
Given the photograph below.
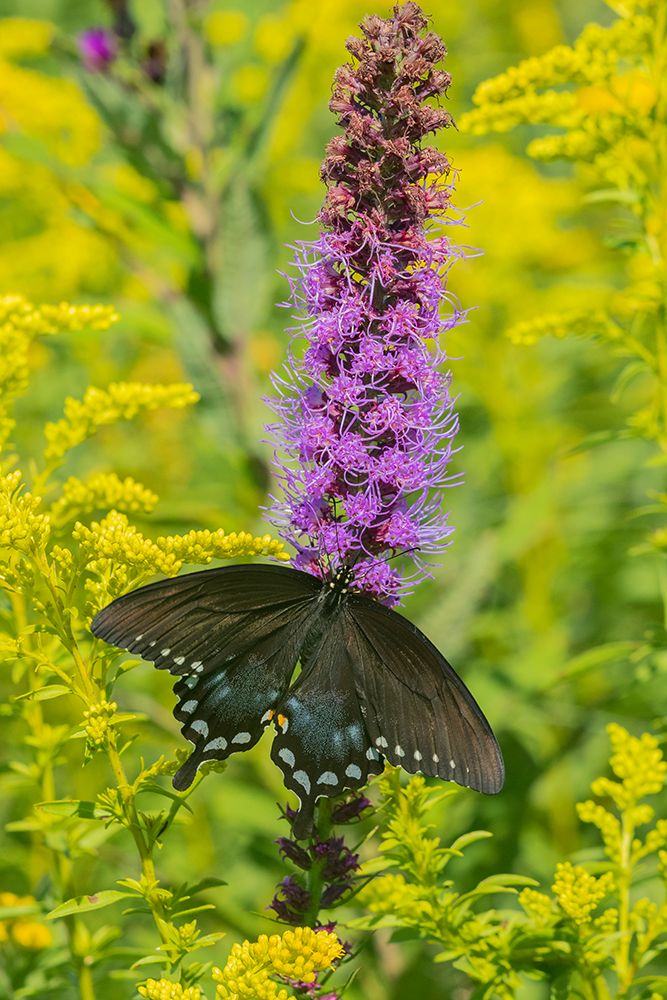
(232, 635)
(418, 712)
(322, 745)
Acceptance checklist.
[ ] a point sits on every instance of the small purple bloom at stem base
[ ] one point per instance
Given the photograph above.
(98, 49)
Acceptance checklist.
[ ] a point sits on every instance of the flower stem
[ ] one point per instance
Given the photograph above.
(315, 883)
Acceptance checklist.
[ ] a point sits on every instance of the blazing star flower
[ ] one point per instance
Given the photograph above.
(98, 49)
(336, 864)
(366, 416)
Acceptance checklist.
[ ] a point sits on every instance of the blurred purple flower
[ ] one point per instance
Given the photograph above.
(98, 49)
(366, 417)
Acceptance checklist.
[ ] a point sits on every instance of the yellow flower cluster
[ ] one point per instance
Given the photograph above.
(537, 905)
(23, 36)
(605, 98)
(579, 893)
(574, 322)
(200, 547)
(98, 722)
(639, 764)
(299, 954)
(553, 107)
(393, 894)
(592, 59)
(117, 555)
(163, 989)
(20, 324)
(101, 492)
(71, 129)
(23, 931)
(99, 407)
(22, 527)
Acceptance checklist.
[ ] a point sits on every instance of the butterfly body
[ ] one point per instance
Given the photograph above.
(371, 687)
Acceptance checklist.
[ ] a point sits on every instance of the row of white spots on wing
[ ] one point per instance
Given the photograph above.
(191, 681)
(268, 715)
(200, 726)
(436, 759)
(153, 643)
(417, 755)
(327, 778)
(190, 706)
(399, 751)
(286, 754)
(372, 754)
(219, 743)
(303, 780)
(139, 637)
(353, 771)
(165, 652)
(179, 660)
(381, 742)
(242, 738)
(452, 764)
(198, 666)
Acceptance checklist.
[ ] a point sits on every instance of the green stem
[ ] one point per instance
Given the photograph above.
(86, 986)
(315, 882)
(624, 876)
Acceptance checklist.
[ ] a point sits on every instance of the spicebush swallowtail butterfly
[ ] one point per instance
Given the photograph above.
(371, 685)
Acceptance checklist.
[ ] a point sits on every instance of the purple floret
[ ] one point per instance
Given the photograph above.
(367, 422)
(98, 49)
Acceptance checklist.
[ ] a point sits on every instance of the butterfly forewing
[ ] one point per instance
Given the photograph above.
(233, 637)
(323, 747)
(418, 711)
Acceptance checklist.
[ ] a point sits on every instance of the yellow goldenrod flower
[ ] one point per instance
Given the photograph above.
(98, 722)
(32, 935)
(250, 83)
(21, 525)
(24, 931)
(20, 324)
(101, 492)
(71, 130)
(638, 763)
(118, 556)
(225, 27)
(537, 905)
(271, 41)
(163, 989)
(575, 322)
(578, 893)
(298, 954)
(23, 36)
(99, 407)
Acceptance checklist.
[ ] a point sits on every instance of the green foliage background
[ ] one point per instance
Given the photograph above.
(549, 602)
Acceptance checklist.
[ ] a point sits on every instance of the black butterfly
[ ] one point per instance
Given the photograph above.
(371, 685)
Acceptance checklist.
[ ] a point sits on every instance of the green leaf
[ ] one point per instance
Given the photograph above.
(46, 693)
(623, 196)
(599, 656)
(81, 904)
(24, 910)
(206, 883)
(498, 883)
(73, 807)
(469, 838)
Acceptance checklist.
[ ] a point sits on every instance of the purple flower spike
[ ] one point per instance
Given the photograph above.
(98, 49)
(366, 416)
